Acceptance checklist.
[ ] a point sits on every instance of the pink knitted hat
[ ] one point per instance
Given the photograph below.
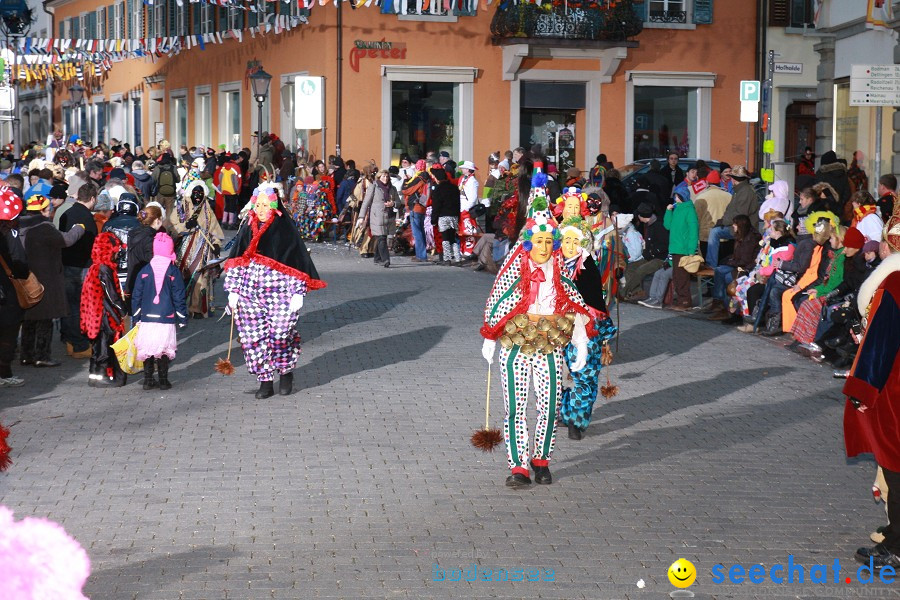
(163, 246)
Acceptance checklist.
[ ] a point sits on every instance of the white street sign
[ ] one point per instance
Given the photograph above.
(309, 105)
(7, 99)
(785, 68)
(750, 91)
(875, 85)
(749, 112)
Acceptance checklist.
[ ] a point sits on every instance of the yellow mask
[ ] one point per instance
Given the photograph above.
(571, 208)
(541, 247)
(571, 244)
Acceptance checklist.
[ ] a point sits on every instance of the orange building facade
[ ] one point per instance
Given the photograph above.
(437, 82)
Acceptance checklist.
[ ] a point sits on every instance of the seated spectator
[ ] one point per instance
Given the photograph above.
(826, 224)
(777, 200)
(710, 203)
(810, 313)
(808, 202)
(643, 194)
(865, 216)
(656, 249)
(740, 263)
(750, 290)
(632, 242)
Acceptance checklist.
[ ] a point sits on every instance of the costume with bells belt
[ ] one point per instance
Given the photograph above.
(533, 310)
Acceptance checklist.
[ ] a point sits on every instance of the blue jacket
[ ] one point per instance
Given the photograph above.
(171, 308)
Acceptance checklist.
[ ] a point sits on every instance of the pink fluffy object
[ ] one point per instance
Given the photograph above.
(39, 560)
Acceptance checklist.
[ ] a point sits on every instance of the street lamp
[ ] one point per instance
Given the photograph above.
(76, 97)
(259, 83)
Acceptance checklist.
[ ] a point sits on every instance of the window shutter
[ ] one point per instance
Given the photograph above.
(640, 9)
(170, 7)
(703, 12)
(76, 28)
(252, 18)
(779, 13)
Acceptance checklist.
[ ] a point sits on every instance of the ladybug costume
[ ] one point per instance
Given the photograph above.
(102, 311)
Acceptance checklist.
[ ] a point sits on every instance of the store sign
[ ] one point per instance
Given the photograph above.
(367, 49)
(309, 102)
(785, 68)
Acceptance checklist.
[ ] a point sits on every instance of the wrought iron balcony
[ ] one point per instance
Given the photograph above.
(668, 16)
(576, 19)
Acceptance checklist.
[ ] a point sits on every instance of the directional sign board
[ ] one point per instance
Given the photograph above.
(875, 85)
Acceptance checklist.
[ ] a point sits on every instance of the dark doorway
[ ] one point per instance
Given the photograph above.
(799, 130)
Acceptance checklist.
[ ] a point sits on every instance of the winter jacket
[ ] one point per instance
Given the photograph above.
(835, 174)
(745, 252)
(673, 176)
(266, 155)
(802, 256)
(14, 256)
(43, 247)
(143, 183)
(684, 229)
(744, 201)
(834, 275)
(171, 307)
(444, 202)
(380, 217)
(79, 253)
(345, 189)
(121, 226)
(855, 272)
(140, 251)
(656, 240)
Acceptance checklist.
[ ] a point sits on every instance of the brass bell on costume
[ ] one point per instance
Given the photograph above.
(517, 339)
(543, 325)
(530, 332)
(548, 348)
(520, 320)
(506, 342)
(510, 327)
(528, 350)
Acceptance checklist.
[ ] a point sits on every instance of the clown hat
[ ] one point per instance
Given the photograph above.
(538, 203)
(10, 204)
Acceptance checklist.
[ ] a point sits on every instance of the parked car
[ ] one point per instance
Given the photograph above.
(632, 171)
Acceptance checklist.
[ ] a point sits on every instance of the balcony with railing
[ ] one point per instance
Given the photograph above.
(668, 16)
(598, 20)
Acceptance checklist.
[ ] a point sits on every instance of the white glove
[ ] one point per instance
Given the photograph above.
(232, 300)
(580, 357)
(296, 303)
(487, 350)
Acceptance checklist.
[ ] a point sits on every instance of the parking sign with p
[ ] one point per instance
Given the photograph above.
(750, 91)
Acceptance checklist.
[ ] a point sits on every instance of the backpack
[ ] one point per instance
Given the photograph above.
(165, 185)
(227, 178)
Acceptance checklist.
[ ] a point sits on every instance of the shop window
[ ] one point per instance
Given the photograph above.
(549, 117)
(855, 131)
(665, 120)
(178, 119)
(230, 115)
(423, 118)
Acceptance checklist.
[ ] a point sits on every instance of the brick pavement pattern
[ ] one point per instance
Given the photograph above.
(720, 448)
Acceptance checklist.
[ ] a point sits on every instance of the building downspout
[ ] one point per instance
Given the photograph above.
(762, 61)
(50, 30)
(340, 78)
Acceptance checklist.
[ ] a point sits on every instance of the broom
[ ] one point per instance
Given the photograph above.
(487, 439)
(224, 366)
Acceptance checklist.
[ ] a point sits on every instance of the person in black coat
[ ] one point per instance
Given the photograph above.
(656, 249)
(11, 313)
(43, 245)
(835, 173)
(658, 183)
(672, 172)
(445, 216)
(615, 189)
(140, 243)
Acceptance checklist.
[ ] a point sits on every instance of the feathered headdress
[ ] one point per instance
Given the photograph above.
(819, 218)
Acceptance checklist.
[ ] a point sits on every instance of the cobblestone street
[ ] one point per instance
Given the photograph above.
(720, 448)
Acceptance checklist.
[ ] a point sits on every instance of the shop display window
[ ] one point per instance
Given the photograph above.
(423, 118)
(665, 120)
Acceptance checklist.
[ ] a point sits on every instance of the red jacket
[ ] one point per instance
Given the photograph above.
(875, 382)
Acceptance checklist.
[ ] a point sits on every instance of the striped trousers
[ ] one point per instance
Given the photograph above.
(517, 372)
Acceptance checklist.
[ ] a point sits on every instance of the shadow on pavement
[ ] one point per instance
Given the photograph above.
(641, 341)
(155, 573)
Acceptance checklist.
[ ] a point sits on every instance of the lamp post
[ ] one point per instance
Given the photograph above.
(259, 83)
(76, 97)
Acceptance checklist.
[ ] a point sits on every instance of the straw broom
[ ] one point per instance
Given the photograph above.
(487, 439)
(224, 366)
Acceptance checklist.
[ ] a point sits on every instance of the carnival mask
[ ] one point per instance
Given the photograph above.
(541, 246)
(571, 242)
(197, 195)
(264, 205)
(571, 206)
(822, 231)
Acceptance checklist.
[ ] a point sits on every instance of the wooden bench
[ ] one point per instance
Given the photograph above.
(705, 277)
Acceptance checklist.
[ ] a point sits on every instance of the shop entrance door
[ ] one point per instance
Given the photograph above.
(554, 131)
(549, 115)
(799, 130)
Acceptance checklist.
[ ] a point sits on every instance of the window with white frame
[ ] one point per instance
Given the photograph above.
(85, 32)
(207, 20)
(667, 112)
(181, 18)
(101, 23)
(230, 115)
(137, 19)
(178, 130)
(158, 22)
(118, 25)
(668, 11)
(203, 116)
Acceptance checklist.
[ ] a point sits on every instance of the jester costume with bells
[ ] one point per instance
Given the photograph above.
(200, 239)
(534, 310)
(577, 402)
(103, 310)
(266, 276)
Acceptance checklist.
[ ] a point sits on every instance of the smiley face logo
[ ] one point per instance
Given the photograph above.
(682, 573)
